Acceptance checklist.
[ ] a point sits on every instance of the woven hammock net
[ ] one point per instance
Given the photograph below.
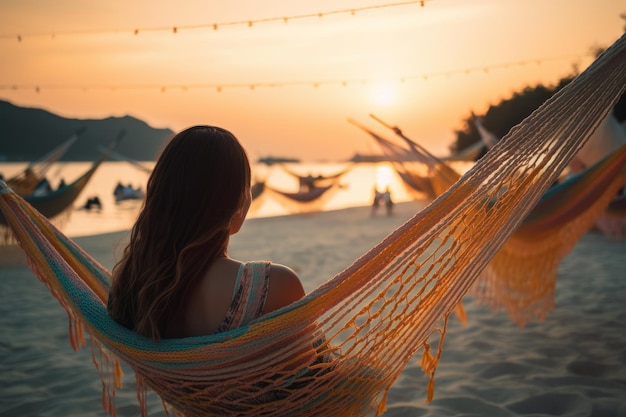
(339, 350)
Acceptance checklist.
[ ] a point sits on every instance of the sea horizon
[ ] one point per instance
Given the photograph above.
(355, 188)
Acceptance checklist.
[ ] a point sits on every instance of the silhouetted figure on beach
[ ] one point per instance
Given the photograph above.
(376, 201)
(381, 198)
(93, 203)
(386, 197)
(119, 189)
(307, 183)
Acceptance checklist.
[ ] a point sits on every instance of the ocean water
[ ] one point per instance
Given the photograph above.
(356, 189)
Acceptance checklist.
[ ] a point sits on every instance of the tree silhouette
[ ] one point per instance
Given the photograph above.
(501, 117)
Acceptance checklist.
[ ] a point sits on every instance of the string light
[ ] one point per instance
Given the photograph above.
(216, 25)
(255, 85)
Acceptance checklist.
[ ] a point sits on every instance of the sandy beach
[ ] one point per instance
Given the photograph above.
(572, 364)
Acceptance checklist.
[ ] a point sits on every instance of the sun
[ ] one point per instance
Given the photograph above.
(383, 176)
(384, 93)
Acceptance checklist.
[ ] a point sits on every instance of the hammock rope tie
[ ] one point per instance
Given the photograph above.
(339, 349)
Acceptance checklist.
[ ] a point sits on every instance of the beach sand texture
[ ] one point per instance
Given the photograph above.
(572, 364)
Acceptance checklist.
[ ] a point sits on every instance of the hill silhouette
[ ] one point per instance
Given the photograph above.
(29, 133)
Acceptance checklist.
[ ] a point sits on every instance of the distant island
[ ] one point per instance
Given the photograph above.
(27, 134)
(358, 157)
(271, 160)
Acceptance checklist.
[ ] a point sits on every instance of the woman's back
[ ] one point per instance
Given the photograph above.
(231, 294)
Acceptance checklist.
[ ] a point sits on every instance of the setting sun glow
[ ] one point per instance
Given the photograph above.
(384, 94)
(285, 76)
(383, 176)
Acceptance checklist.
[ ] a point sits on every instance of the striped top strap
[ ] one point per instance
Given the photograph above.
(249, 295)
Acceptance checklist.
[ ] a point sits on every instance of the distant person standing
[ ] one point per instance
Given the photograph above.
(119, 189)
(386, 197)
(307, 183)
(376, 201)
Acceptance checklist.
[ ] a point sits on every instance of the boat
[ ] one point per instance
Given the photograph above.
(128, 192)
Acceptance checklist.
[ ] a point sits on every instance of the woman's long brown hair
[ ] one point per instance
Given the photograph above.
(197, 185)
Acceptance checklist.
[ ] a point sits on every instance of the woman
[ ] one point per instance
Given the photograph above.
(175, 278)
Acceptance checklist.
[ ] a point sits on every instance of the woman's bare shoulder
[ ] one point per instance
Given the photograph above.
(284, 288)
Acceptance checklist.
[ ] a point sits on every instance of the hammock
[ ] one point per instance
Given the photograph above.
(613, 221)
(258, 195)
(25, 182)
(416, 182)
(617, 206)
(442, 174)
(468, 154)
(56, 205)
(136, 164)
(338, 350)
(608, 137)
(57, 202)
(310, 181)
(423, 174)
(313, 193)
(521, 277)
(305, 201)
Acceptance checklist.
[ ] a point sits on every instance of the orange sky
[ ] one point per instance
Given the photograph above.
(421, 68)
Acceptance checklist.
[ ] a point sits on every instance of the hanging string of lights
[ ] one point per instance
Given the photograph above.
(214, 26)
(219, 87)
